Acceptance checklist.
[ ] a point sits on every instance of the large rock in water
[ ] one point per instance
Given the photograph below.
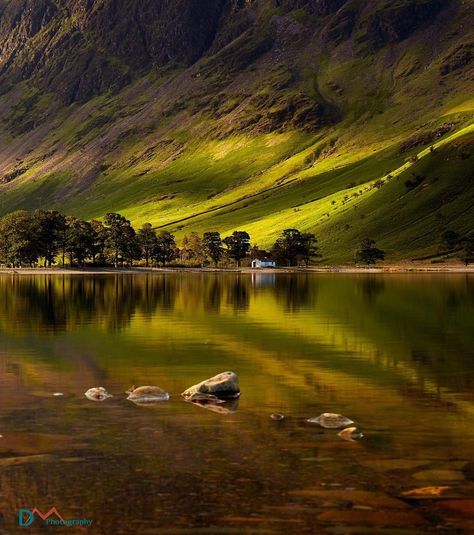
(223, 385)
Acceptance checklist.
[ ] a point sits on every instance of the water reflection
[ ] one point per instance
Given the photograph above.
(295, 293)
(371, 286)
(394, 353)
(216, 405)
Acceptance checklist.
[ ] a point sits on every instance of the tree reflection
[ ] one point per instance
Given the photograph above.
(371, 286)
(213, 295)
(56, 303)
(296, 292)
(238, 295)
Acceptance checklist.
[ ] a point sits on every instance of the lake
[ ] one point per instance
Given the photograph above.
(393, 352)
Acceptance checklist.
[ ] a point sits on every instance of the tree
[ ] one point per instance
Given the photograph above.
(100, 240)
(147, 239)
(17, 246)
(290, 245)
(260, 254)
(165, 250)
(238, 245)
(118, 231)
(131, 249)
(467, 250)
(80, 239)
(49, 226)
(309, 249)
(192, 249)
(450, 239)
(212, 246)
(368, 253)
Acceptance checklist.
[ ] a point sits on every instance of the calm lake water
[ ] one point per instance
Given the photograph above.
(395, 353)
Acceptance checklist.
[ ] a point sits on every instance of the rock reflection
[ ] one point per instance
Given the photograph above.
(213, 404)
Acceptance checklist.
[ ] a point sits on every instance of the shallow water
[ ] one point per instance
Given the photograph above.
(395, 353)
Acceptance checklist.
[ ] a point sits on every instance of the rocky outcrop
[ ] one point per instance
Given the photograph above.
(313, 7)
(82, 48)
(395, 21)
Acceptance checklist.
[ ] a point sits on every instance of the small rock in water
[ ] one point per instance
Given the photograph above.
(425, 491)
(277, 416)
(147, 394)
(98, 393)
(223, 385)
(331, 421)
(57, 394)
(351, 434)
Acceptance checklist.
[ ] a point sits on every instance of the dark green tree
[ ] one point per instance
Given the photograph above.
(100, 240)
(289, 246)
(309, 249)
(131, 250)
(49, 227)
(118, 231)
(238, 245)
(147, 239)
(212, 246)
(466, 254)
(165, 250)
(17, 240)
(80, 237)
(368, 253)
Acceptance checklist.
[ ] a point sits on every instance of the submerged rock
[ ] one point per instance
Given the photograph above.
(351, 434)
(224, 385)
(425, 492)
(277, 416)
(147, 394)
(329, 420)
(98, 393)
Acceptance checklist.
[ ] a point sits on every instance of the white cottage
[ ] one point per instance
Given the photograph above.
(264, 263)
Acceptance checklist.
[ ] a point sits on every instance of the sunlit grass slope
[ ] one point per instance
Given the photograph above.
(215, 146)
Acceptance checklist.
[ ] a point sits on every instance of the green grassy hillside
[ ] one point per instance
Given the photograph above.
(305, 117)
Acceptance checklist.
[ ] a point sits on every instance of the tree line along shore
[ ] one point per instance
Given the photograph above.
(48, 237)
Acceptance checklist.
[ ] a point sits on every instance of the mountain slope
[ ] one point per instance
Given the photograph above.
(231, 114)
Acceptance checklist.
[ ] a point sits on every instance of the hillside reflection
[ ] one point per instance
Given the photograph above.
(394, 353)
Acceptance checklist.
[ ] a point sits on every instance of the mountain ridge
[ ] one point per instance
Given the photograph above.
(247, 114)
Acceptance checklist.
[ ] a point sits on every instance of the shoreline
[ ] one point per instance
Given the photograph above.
(389, 268)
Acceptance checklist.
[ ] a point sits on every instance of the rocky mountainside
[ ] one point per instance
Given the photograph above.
(255, 114)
